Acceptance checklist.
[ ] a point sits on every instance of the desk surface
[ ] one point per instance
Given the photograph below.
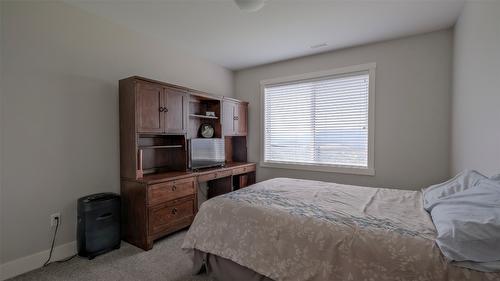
(167, 176)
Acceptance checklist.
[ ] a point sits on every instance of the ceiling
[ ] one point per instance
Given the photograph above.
(219, 32)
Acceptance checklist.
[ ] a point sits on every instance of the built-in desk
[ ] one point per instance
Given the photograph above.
(158, 204)
(157, 122)
(223, 180)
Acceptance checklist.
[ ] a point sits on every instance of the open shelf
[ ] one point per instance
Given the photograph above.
(161, 153)
(203, 116)
(198, 107)
(159, 146)
(235, 149)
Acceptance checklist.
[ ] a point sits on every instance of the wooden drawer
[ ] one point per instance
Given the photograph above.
(223, 174)
(214, 175)
(171, 190)
(175, 214)
(243, 170)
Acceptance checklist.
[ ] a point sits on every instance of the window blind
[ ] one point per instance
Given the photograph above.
(318, 121)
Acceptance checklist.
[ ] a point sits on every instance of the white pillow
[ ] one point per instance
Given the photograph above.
(463, 181)
(468, 224)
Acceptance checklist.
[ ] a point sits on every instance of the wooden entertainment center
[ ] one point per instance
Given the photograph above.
(157, 120)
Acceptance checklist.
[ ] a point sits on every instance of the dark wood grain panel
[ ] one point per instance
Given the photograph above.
(173, 227)
(244, 169)
(134, 214)
(176, 110)
(223, 173)
(149, 105)
(171, 190)
(164, 216)
(242, 119)
(234, 118)
(219, 186)
(128, 140)
(207, 177)
(228, 109)
(155, 122)
(214, 175)
(243, 181)
(239, 144)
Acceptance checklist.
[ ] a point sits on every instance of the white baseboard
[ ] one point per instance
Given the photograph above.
(29, 263)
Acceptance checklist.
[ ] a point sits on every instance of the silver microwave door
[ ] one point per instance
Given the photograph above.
(207, 153)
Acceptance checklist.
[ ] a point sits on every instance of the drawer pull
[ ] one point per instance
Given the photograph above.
(174, 188)
(174, 211)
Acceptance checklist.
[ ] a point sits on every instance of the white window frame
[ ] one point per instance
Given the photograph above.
(370, 169)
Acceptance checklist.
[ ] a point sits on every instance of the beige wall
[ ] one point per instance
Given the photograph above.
(412, 108)
(476, 96)
(59, 133)
(1, 132)
(61, 73)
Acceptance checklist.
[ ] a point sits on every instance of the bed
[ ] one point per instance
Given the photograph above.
(291, 229)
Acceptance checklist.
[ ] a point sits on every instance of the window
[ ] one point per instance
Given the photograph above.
(320, 121)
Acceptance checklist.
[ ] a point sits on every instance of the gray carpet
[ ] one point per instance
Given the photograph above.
(166, 262)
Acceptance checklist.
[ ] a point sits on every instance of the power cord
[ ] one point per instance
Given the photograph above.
(47, 262)
(53, 242)
(66, 259)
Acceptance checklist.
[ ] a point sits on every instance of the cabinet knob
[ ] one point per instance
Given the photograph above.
(174, 211)
(174, 188)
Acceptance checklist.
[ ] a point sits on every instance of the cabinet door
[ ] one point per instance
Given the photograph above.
(241, 126)
(176, 113)
(228, 108)
(149, 102)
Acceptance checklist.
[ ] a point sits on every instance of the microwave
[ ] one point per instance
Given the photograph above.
(205, 153)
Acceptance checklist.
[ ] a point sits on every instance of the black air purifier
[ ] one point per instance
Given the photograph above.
(98, 229)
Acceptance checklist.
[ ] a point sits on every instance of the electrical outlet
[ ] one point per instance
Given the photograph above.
(54, 218)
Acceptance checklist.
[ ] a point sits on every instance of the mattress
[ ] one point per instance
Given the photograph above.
(290, 229)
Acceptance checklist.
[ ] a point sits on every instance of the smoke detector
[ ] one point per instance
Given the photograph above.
(250, 5)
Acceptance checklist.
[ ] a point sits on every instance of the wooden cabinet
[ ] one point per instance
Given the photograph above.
(155, 205)
(149, 108)
(160, 109)
(228, 108)
(234, 117)
(153, 210)
(157, 119)
(176, 105)
(241, 119)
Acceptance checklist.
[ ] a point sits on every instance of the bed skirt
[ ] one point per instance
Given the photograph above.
(223, 269)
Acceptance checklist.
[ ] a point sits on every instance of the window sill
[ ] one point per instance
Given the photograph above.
(319, 168)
